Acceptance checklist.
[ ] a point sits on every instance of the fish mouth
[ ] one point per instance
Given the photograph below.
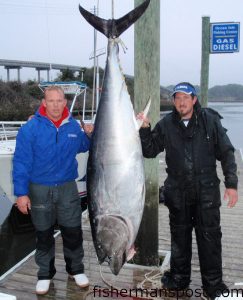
(113, 239)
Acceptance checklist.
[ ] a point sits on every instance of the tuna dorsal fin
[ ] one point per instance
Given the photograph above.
(145, 111)
(115, 27)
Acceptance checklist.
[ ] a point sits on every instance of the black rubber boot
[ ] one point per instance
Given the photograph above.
(210, 257)
(214, 292)
(174, 282)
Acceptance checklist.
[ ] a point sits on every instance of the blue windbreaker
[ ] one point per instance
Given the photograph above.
(45, 154)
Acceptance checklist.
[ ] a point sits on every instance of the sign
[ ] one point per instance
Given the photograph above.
(225, 37)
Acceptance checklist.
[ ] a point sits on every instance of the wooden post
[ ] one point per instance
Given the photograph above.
(205, 61)
(147, 84)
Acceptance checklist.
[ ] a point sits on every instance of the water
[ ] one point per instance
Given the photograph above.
(232, 114)
(17, 237)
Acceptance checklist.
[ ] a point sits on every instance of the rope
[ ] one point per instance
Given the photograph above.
(153, 278)
(119, 41)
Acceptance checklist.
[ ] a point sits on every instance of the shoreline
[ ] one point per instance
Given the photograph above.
(226, 101)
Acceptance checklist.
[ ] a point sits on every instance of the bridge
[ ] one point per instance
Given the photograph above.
(39, 66)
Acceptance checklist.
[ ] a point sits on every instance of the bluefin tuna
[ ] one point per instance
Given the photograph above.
(115, 172)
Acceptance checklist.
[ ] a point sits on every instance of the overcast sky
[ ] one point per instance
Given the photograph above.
(54, 31)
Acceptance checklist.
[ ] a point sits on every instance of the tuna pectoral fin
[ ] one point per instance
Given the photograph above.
(114, 28)
(145, 112)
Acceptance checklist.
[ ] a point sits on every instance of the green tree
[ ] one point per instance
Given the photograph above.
(66, 75)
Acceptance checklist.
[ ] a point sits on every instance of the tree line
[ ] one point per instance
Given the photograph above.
(20, 100)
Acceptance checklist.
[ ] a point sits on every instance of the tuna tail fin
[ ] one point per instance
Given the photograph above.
(115, 27)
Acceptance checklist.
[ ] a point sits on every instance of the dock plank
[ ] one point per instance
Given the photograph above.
(21, 282)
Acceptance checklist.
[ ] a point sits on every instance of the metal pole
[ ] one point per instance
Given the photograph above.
(205, 61)
(112, 9)
(97, 83)
(84, 104)
(94, 81)
(97, 70)
(73, 103)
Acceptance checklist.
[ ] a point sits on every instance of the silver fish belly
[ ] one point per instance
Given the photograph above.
(116, 173)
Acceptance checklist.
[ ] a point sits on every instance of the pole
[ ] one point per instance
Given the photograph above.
(147, 84)
(112, 9)
(97, 70)
(94, 73)
(205, 61)
(97, 83)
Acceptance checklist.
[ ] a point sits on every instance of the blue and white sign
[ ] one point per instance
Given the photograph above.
(225, 37)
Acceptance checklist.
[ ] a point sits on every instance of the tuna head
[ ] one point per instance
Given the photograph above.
(113, 239)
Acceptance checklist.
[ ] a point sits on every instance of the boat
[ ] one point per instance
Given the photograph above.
(17, 236)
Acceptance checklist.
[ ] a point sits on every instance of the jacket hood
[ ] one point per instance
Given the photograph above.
(41, 112)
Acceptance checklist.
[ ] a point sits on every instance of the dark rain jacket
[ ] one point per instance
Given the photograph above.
(192, 151)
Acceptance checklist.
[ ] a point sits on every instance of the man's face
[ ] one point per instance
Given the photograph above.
(184, 104)
(54, 102)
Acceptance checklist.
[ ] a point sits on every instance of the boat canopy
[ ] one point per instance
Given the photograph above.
(70, 87)
(75, 88)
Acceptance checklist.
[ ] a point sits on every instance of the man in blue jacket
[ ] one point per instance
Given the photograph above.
(44, 173)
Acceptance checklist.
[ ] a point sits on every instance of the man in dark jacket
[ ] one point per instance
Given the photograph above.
(44, 173)
(193, 139)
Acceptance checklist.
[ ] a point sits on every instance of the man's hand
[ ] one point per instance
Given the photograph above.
(232, 196)
(87, 127)
(141, 116)
(30, 117)
(23, 204)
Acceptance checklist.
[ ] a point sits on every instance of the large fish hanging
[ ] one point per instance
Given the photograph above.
(115, 173)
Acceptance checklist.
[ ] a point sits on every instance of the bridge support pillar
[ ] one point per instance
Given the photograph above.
(8, 75)
(18, 71)
(43, 69)
(38, 72)
(13, 67)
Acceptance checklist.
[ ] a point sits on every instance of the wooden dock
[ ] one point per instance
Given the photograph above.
(21, 282)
